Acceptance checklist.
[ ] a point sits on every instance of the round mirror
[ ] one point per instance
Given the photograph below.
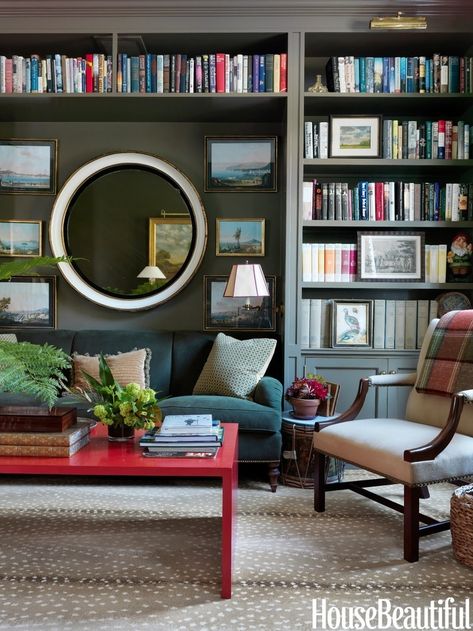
(135, 226)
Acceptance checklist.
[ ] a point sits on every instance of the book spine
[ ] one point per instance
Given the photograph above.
(43, 450)
(56, 439)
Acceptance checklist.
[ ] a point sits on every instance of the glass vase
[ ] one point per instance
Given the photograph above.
(119, 433)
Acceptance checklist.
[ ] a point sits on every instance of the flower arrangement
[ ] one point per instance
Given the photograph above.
(114, 405)
(310, 387)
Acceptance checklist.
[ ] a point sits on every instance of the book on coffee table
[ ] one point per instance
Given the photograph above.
(15, 418)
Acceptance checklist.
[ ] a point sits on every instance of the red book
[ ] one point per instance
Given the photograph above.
(220, 72)
(441, 141)
(353, 261)
(283, 70)
(89, 80)
(379, 200)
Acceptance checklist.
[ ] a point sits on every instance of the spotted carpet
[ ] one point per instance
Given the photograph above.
(101, 555)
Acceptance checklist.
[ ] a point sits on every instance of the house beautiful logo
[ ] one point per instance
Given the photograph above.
(439, 614)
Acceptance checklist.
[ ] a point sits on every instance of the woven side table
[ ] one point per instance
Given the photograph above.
(461, 522)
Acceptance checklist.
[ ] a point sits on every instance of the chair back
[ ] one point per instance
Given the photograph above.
(431, 409)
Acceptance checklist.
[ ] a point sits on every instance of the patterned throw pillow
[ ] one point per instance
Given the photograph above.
(130, 367)
(234, 367)
(8, 337)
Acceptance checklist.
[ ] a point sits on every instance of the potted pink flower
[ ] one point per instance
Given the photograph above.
(305, 395)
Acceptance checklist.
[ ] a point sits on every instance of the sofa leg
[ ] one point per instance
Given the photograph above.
(273, 473)
(320, 461)
(411, 523)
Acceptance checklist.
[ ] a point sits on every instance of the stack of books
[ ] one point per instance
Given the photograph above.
(35, 431)
(184, 436)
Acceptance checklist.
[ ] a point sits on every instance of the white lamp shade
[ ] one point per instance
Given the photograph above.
(151, 271)
(246, 280)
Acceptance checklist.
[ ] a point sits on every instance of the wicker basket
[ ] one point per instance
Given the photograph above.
(461, 520)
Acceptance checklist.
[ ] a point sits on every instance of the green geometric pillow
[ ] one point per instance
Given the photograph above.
(234, 367)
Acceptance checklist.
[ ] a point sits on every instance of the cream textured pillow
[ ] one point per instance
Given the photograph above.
(8, 337)
(234, 367)
(131, 367)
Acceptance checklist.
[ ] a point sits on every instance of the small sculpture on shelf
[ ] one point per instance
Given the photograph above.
(460, 258)
(318, 86)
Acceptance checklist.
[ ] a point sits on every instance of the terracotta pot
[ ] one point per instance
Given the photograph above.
(120, 432)
(305, 409)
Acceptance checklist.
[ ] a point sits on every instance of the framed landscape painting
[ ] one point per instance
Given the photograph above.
(28, 166)
(240, 237)
(20, 237)
(170, 243)
(28, 302)
(355, 136)
(227, 314)
(240, 163)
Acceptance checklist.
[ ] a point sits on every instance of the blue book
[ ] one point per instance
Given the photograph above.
(392, 75)
(135, 74)
(148, 72)
(362, 74)
(385, 74)
(409, 75)
(436, 216)
(378, 74)
(356, 65)
(34, 74)
(363, 194)
(255, 73)
(369, 74)
(403, 73)
(58, 72)
(262, 74)
(124, 72)
(428, 75)
(428, 140)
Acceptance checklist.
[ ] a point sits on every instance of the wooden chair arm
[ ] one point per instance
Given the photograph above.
(437, 445)
(352, 411)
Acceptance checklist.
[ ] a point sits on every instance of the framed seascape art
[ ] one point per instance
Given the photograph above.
(170, 243)
(351, 323)
(227, 314)
(391, 256)
(240, 163)
(239, 237)
(28, 302)
(355, 136)
(19, 237)
(28, 166)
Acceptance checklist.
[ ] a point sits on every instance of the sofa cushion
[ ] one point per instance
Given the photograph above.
(60, 338)
(131, 367)
(234, 367)
(249, 415)
(8, 337)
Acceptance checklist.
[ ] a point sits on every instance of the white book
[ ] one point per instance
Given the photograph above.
(321, 268)
(400, 330)
(245, 73)
(239, 57)
(412, 189)
(379, 328)
(433, 309)
(392, 197)
(466, 142)
(228, 77)
(422, 320)
(448, 201)
(308, 140)
(314, 271)
(314, 331)
(341, 74)
(371, 202)
(390, 323)
(305, 323)
(307, 195)
(325, 323)
(410, 340)
(323, 139)
(277, 73)
(434, 263)
(411, 139)
(338, 262)
(306, 263)
(442, 263)
(191, 75)
(455, 197)
(187, 423)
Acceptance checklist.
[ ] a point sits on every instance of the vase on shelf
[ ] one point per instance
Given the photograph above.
(304, 409)
(119, 432)
(318, 86)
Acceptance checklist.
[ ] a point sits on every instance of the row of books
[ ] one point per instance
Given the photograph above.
(396, 324)
(437, 74)
(215, 72)
(316, 139)
(418, 140)
(184, 436)
(56, 73)
(387, 201)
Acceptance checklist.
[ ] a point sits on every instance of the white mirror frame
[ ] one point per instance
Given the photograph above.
(61, 206)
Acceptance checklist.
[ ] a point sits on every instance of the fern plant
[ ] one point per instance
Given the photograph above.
(19, 268)
(34, 369)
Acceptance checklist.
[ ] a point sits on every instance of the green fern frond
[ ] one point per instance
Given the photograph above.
(25, 266)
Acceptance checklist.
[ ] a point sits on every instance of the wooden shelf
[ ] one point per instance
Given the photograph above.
(399, 225)
(393, 168)
(386, 285)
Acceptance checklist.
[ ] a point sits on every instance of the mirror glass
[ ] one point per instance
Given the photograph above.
(135, 226)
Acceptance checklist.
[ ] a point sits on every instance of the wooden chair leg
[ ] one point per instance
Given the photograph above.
(319, 482)
(411, 523)
(273, 473)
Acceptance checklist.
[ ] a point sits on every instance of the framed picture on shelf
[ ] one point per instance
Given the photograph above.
(20, 237)
(352, 323)
(170, 243)
(28, 302)
(355, 137)
(239, 237)
(28, 166)
(229, 314)
(240, 163)
(391, 256)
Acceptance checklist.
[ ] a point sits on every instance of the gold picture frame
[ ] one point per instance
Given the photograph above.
(240, 237)
(170, 243)
(21, 238)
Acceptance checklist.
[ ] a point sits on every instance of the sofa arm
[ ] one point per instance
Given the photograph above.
(269, 392)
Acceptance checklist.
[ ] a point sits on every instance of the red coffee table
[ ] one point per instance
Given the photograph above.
(101, 457)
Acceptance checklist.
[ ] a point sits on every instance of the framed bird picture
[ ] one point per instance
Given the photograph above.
(352, 323)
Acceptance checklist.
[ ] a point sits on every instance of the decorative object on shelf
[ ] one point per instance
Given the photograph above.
(122, 409)
(452, 301)
(355, 136)
(229, 314)
(170, 241)
(239, 237)
(399, 22)
(305, 395)
(318, 87)
(391, 256)
(352, 323)
(28, 166)
(240, 163)
(460, 258)
(28, 302)
(20, 237)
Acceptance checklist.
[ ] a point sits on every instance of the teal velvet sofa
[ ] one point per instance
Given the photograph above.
(177, 359)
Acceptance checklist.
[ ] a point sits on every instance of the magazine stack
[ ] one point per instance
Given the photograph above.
(184, 436)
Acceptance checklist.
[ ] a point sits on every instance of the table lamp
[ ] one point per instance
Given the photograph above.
(152, 272)
(246, 281)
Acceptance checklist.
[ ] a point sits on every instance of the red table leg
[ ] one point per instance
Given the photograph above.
(229, 490)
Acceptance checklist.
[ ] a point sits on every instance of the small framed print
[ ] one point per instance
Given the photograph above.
(28, 302)
(239, 237)
(246, 164)
(228, 314)
(351, 323)
(20, 237)
(28, 166)
(391, 256)
(355, 137)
